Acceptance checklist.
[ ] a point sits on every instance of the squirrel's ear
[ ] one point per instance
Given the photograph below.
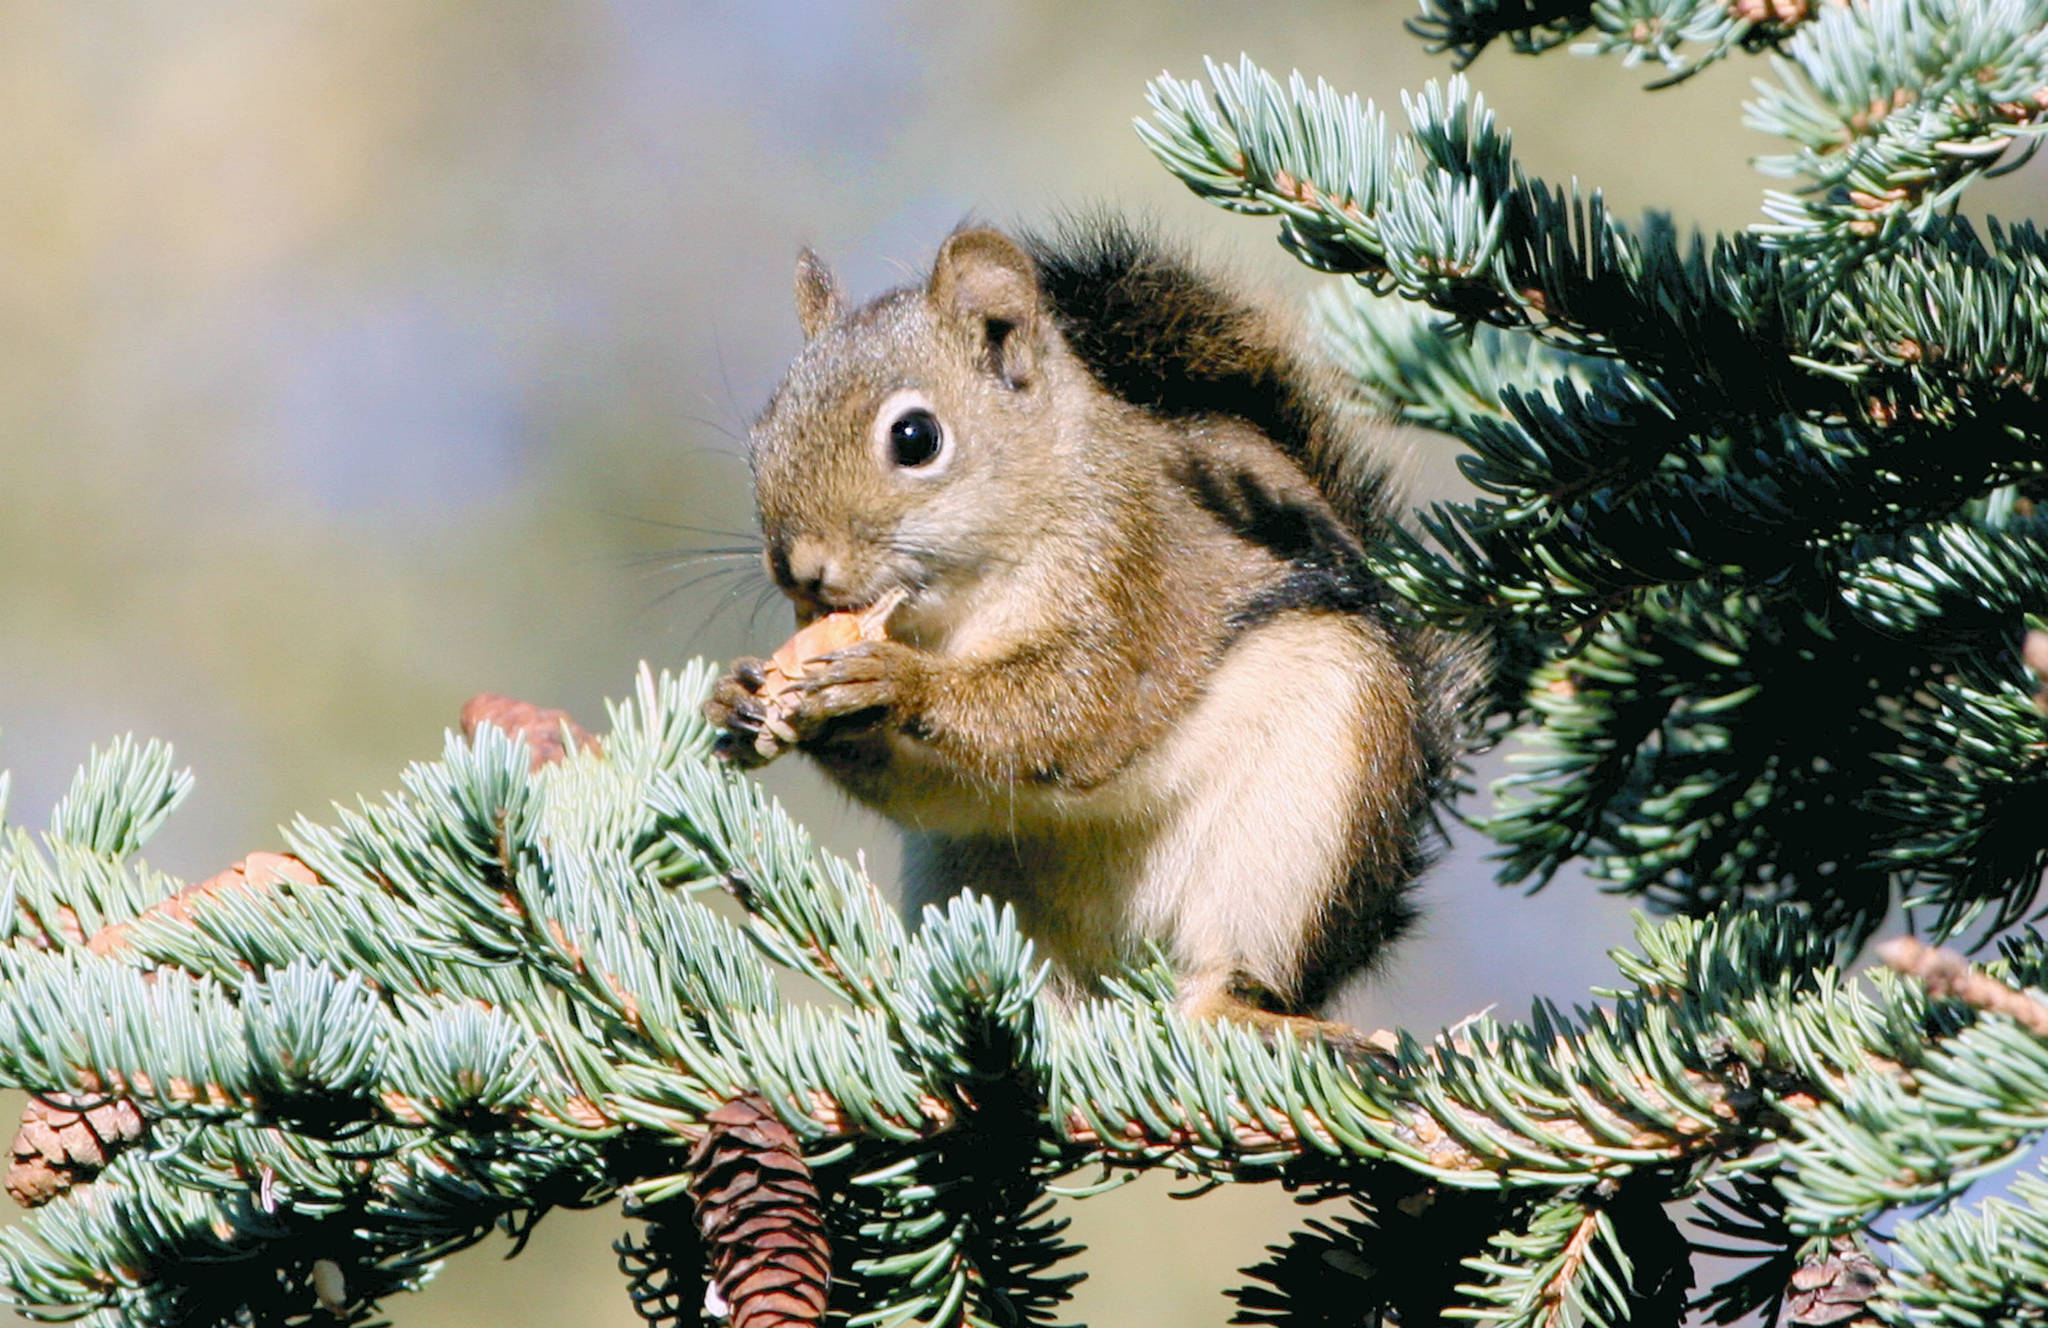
(818, 301)
(985, 280)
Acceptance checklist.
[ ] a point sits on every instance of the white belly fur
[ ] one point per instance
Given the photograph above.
(1224, 843)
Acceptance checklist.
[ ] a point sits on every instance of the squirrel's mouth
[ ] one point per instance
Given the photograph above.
(811, 607)
(808, 608)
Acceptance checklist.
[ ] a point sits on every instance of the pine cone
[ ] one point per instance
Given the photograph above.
(758, 1211)
(540, 730)
(1834, 1290)
(259, 873)
(55, 1147)
(59, 1145)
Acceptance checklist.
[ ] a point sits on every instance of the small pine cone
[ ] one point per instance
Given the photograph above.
(59, 1145)
(55, 1147)
(1835, 1291)
(259, 873)
(541, 730)
(758, 1212)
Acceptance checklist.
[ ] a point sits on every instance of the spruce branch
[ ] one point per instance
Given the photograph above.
(351, 1114)
(1749, 378)
(1440, 214)
(1947, 974)
(1757, 531)
(1896, 108)
(665, 1268)
(1712, 477)
(1685, 36)
(80, 876)
(397, 1088)
(1912, 735)
(1598, 1257)
(1972, 1103)
(1975, 1266)
(1443, 215)
(1466, 28)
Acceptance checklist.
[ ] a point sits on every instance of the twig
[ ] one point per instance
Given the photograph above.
(1947, 974)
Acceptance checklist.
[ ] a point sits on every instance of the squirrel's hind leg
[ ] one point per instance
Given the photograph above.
(1289, 785)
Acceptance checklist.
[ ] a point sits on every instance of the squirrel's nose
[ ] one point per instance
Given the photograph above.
(808, 571)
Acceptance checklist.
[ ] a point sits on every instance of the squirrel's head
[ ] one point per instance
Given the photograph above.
(915, 442)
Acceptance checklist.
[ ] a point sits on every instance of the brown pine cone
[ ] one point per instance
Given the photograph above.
(540, 730)
(55, 1146)
(259, 873)
(758, 1212)
(1835, 1291)
(59, 1145)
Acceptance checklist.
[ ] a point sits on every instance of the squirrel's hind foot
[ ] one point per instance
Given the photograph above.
(1351, 1043)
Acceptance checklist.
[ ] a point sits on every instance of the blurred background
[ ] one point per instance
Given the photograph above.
(357, 357)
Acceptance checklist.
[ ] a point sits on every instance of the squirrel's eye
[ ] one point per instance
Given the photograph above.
(916, 438)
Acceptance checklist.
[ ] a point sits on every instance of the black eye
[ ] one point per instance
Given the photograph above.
(916, 438)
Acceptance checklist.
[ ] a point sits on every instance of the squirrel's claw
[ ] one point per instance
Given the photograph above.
(845, 690)
(746, 735)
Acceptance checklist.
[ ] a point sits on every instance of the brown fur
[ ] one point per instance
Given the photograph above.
(1144, 688)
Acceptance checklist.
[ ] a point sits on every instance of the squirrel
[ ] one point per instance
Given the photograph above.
(1143, 685)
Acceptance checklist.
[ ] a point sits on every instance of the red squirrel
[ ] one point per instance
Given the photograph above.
(1142, 684)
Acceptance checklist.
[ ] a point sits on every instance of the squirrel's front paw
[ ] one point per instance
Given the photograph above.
(854, 688)
(749, 731)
